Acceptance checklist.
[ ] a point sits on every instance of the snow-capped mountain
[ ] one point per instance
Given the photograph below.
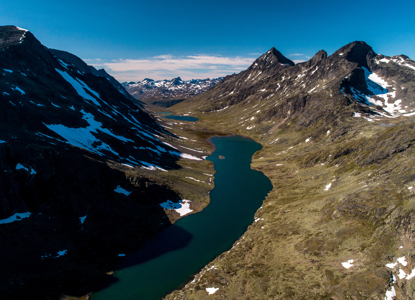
(168, 92)
(72, 148)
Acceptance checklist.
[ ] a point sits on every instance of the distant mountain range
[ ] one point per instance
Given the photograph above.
(168, 92)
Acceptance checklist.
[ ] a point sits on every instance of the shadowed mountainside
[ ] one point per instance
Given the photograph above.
(77, 158)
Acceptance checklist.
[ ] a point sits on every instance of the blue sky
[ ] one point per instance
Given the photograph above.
(198, 39)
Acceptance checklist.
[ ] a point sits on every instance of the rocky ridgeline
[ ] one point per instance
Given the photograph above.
(71, 139)
(337, 134)
(166, 93)
(353, 79)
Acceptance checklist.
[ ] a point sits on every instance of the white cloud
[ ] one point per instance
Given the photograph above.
(295, 54)
(168, 66)
(297, 61)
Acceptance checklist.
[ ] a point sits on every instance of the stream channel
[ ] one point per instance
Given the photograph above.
(169, 259)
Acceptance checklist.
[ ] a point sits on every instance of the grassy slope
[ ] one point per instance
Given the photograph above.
(295, 250)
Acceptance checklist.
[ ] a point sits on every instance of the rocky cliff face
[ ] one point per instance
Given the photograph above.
(72, 193)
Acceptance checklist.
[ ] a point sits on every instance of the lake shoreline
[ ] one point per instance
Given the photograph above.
(249, 215)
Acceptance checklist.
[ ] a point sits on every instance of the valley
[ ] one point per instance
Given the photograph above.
(339, 218)
(171, 257)
(99, 174)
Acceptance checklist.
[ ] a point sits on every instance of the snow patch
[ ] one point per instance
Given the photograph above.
(391, 265)
(65, 65)
(61, 253)
(121, 190)
(15, 217)
(195, 179)
(402, 261)
(412, 275)
(127, 165)
(82, 219)
(83, 137)
(22, 29)
(80, 87)
(16, 88)
(211, 290)
(327, 187)
(19, 166)
(150, 166)
(183, 207)
(401, 274)
(184, 155)
(390, 294)
(220, 109)
(348, 264)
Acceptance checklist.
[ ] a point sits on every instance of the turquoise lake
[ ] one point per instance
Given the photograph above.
(170, 258)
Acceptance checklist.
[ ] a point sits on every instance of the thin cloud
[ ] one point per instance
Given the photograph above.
(295, 54)
(297, 61)
(167, 66)
(168, 56)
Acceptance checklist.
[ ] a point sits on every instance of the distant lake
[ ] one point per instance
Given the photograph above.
(181, 118)
(170, 258)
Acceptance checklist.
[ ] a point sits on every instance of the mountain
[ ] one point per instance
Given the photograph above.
(166, 93)
(337, 134)
(354, 77)
(79, 164)
(84, 68)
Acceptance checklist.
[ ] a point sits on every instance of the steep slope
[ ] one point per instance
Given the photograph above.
(79, 64)
(166, 93)
(78, 165)
(337, 135)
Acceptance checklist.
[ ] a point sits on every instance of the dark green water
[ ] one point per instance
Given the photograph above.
(181, 118)
(170, 258)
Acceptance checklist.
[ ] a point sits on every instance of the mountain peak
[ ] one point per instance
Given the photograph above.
(271, 60)
(176, 81)
(357, 51)
(11, 35)
(320, 55)
(280, 58)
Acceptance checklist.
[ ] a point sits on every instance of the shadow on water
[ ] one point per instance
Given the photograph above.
(170, 239)
(169, 259)
(181, 118)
